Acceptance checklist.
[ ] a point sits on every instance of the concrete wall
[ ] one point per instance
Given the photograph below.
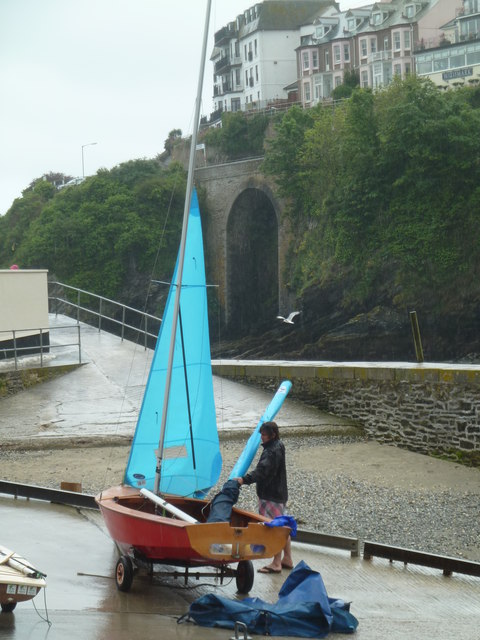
(23, 302)
(424, 407)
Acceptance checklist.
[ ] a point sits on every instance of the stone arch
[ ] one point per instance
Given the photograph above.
(252, 277)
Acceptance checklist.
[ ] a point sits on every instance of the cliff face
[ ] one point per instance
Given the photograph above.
(323, 331)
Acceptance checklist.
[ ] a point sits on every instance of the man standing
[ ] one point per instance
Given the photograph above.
(270, 476)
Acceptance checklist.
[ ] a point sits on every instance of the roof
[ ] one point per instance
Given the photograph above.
(286, 14)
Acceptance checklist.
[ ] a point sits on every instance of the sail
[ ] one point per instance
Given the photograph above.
(192, 461)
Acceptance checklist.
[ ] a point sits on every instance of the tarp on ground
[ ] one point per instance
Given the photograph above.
(303, 609)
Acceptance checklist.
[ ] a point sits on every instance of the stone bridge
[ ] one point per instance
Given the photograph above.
(246, 241)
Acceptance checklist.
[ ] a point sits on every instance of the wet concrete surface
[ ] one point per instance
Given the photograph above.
(102, 397)
(73, 548)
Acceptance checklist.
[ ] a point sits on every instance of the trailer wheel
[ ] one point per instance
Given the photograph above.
(8, 607)
(124, 573)
(244, 576)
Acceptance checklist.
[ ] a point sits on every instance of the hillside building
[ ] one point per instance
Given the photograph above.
(377, 42)
(455, 60)
(254, 56)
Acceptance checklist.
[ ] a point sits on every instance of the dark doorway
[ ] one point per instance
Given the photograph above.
(252, 264)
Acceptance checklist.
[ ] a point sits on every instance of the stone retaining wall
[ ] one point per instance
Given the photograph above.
(426, 408)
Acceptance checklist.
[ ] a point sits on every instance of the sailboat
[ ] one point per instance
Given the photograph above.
(159, 515)
(19, 580)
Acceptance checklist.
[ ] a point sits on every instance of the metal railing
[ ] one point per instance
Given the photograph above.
(106, 310)
(37, 349)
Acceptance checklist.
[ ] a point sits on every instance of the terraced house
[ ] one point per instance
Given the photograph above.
(376, 42)
(454, 60)
(254, 56)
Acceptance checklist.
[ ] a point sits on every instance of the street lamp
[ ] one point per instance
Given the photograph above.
(89, 144)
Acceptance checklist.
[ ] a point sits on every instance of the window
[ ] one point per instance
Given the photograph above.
(407, 68)
(472, 6)
(237, 77)
(363, 48)
(336, 53)
(351, 24)
(245, 52)
(397, 45)
(246, 78)
(306, 90)
(321, 30)
(406, 41)
(397, 69)
(327, 60)
(377, 17)
(256, 73)
(364, 79)
(315, 59)
(346, 53)
(386, 45)
(338, 81)
(255, 46)
(373, 45)
(306, 60)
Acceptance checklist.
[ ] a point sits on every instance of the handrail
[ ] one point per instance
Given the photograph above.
(41, 348)
(143, 328)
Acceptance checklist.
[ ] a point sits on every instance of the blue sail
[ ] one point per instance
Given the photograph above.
(192, 461)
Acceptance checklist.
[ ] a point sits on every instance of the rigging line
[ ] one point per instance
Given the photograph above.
(180, 324)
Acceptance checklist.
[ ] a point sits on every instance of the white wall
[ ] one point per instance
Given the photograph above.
(23, 302)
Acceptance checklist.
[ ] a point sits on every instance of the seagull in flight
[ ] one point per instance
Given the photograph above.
(290, 318)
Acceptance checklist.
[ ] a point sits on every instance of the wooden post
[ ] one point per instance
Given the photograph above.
(416, 336)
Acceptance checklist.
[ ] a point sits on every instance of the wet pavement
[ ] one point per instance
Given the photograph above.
(72, 547)
(102, 397)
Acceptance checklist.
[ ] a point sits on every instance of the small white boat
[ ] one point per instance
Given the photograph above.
(19, 580)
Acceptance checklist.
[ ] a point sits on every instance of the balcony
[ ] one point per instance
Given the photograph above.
(380, 56)
(223, 65)
(225, 34)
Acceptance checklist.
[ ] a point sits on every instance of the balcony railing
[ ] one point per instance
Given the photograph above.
(380, 56)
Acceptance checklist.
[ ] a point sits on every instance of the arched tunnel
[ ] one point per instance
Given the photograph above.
(252, 264)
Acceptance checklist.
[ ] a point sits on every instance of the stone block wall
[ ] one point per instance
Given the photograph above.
(425, 408)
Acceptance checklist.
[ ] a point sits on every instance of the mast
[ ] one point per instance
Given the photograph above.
(181, 254)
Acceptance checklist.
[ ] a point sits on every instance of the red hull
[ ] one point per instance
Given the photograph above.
(133, 524)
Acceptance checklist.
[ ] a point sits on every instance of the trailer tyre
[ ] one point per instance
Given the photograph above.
(124, 573)
(244, 576)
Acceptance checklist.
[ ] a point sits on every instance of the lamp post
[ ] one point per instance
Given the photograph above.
(89, 144)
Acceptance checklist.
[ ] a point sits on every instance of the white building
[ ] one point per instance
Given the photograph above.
(254, 56)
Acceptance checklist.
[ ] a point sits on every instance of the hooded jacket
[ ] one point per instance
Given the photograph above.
(270, 474)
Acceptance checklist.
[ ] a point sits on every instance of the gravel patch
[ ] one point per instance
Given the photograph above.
(441, 521)
(334, 495)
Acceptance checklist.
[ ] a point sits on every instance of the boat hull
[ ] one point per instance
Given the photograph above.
(19, 580)
(134, 525)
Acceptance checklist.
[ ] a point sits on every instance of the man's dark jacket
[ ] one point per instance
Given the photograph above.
(270, 473)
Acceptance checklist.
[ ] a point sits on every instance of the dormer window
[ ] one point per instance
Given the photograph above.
(378, 17)
(351, 24)
(411, 10)
(321, 31)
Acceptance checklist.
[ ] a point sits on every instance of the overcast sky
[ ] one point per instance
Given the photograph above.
(120, 73)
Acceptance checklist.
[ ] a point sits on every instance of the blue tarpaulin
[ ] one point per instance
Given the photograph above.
(303, 609)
